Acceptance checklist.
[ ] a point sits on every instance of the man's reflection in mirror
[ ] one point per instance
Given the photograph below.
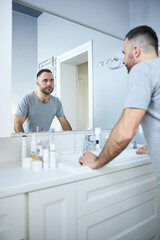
(37, 109)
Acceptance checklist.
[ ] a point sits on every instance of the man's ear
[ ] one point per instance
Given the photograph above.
(37, 83)
(136, 51)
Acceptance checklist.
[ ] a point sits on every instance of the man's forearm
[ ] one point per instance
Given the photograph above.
(18, 123)
(121, 135)
(18, 128)
(114, 146)
(66, 126)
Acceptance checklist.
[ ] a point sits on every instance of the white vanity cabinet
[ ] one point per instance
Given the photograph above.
(112, 203)
(12, 218)
(52, 213)
(124, 205)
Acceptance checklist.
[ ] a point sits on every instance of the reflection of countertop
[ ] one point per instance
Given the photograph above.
(15, 180)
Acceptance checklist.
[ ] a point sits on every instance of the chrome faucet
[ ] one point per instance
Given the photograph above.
(89, 141)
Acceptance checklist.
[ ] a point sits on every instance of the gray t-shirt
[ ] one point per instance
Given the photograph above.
(144, 93)
(38, 113)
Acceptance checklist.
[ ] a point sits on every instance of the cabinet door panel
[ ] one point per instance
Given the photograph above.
(12, 218)
(151, 234)
(100, 192)
(126, 220)
(52, 213)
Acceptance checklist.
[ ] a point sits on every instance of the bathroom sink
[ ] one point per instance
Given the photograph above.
(127, 154)
(70, 161)
(74, 156)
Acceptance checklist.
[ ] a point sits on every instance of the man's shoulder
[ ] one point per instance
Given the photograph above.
(29, 95)
(27, 98)
(145, 66)
(148, 63)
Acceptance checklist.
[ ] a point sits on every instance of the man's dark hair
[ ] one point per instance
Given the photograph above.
(144, 33)
(43, 70)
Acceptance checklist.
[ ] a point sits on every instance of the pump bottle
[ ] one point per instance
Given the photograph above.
(46, 158)
(24, 147)
(33, 147)
(52, 156)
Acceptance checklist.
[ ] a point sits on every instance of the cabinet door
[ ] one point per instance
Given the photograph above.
(136, 218)
(52, 213)
(12, 218)
(97, 193)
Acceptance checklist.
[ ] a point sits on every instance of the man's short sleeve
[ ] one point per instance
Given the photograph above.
(139, 88)
(22, 109)
(60, 112)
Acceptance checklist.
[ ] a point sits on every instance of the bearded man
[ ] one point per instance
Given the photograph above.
(38, 109)
(142, 104)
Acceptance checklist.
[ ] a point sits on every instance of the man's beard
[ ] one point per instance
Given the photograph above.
(45, 91)
(131, 63)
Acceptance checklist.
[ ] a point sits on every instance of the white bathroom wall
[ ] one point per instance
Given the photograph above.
(56, 36)
(105, 15)
(24, 56)
(5, 66)
(145, 12)
(109, 86)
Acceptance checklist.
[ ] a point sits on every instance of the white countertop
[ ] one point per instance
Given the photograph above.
(16, 180)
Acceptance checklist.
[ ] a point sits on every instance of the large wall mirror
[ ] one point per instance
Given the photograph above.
(92, 95)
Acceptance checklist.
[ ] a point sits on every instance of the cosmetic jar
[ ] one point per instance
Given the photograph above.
(37, 165)
(27, 162)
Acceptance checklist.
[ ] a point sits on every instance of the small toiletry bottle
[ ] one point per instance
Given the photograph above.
(33, 147)
(24, 147)
(52, 156)
(40, 153)
(46, 158)
(98, 138)
(37, 129)
(38, 149)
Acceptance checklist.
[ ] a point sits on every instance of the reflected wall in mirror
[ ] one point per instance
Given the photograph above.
(73, 85)
(38, 38)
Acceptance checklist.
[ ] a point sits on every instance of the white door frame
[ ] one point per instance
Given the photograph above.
(86, 47)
